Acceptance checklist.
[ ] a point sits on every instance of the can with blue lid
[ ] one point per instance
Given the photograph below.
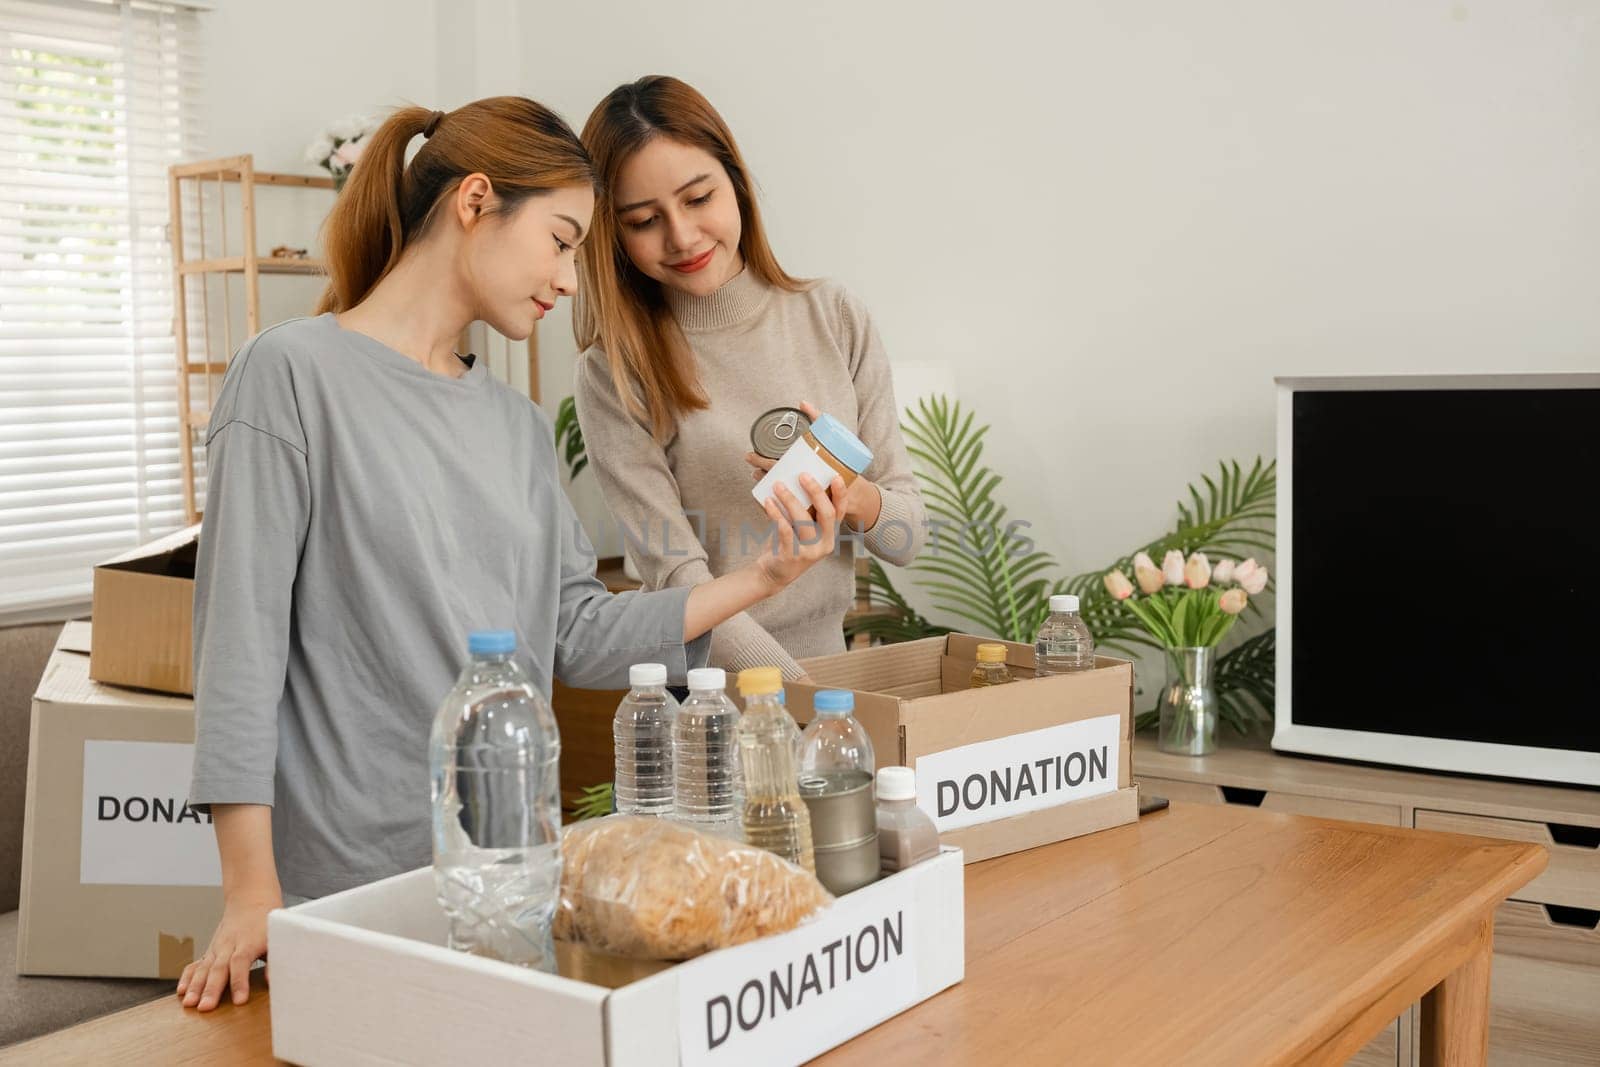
(825, 450)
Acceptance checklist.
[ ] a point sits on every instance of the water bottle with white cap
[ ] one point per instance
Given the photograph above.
(706, 739)
(641, 736)
(1064, 644)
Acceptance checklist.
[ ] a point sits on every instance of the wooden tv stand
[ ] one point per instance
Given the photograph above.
(1545, 989)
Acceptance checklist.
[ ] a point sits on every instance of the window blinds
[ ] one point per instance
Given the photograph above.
(97, 99)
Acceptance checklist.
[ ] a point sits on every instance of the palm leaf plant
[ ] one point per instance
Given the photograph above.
(569, 437)
(895, 620)
(1246, 682)
(594, 802)
(978, 565)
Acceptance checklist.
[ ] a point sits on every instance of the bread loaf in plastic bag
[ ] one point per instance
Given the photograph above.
(652, 889)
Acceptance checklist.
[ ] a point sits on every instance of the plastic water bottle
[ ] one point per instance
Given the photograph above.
(774, 818)
(836, 767)
(709, 794)
(493, 755)
(834, 744)
(641, 735)
(783, 702)
(1064, 644)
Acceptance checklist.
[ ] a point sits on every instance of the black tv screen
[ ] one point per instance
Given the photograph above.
(1446, 564)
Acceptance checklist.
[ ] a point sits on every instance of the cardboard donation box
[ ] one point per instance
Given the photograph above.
(120, 877)
(143, 616)
(364, 977)
(1001, 768)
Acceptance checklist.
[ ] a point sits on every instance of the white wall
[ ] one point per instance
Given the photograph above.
(278, 71)
(1109, 224)
(276, 74)
(1142, 212)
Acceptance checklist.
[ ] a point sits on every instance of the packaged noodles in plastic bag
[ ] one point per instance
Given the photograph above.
(651, 889)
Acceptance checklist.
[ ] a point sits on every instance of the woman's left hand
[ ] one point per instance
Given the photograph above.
(801, 539)
(863, 501)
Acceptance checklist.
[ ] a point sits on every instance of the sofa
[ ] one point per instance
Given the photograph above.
(30, 1006)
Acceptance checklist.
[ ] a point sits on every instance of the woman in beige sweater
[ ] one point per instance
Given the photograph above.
(689, 331)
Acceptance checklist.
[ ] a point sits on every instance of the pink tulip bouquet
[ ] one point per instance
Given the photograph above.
(1189, 606)
(1187, 603)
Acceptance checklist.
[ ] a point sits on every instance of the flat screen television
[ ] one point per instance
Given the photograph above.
(1438, 573)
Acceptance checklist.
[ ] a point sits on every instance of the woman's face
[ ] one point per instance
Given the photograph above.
(678, 216)
(519, 263)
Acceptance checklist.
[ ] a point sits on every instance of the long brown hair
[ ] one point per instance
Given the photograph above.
(618, 306)
(521, 146)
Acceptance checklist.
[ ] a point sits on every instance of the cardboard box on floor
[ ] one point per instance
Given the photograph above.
(143, 616)
(356, 979)
(1045, 759)
(120, 878)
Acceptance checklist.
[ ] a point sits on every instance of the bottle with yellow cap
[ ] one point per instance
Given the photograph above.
(775, 818)
(991, 667)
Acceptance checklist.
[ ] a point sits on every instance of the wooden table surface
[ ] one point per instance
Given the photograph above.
(1197, 935)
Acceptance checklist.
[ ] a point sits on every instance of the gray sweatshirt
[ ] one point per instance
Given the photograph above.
(362, 515)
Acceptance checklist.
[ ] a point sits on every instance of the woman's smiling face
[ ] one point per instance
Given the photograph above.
(678, 217)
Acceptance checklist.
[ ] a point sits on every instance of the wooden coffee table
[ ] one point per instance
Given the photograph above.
(1197, 935)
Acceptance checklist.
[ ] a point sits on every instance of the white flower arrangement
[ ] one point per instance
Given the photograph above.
(338, 147)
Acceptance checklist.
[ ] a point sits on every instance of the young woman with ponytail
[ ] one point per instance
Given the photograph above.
(373, 495)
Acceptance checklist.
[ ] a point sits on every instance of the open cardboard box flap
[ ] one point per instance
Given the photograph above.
(143, 615)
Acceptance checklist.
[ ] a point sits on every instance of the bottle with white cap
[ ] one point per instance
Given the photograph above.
(1064, 644)
(906, 835)
(641, 736)
(706, 743)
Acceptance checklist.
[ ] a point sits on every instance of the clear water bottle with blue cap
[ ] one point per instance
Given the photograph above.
(836, 774)
(493, 755)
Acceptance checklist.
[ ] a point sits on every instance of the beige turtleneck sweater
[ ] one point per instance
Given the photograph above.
(756, 348)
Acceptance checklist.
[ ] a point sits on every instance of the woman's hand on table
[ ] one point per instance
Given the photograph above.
(240, 940)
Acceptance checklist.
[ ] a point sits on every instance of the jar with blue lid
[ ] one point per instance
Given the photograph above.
(826, 449)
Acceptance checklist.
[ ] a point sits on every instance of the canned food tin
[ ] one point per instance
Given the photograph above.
(842, 807)
(844, 828)
(773, 433)
(849, 867)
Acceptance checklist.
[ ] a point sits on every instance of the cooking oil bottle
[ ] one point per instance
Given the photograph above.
(775, 818)
(991, 666)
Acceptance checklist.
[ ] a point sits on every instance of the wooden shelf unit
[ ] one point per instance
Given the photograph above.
(1545, 988)
(247, 264)
(263, 265)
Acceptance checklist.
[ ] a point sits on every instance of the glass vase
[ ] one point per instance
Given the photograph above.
(1188, 724)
